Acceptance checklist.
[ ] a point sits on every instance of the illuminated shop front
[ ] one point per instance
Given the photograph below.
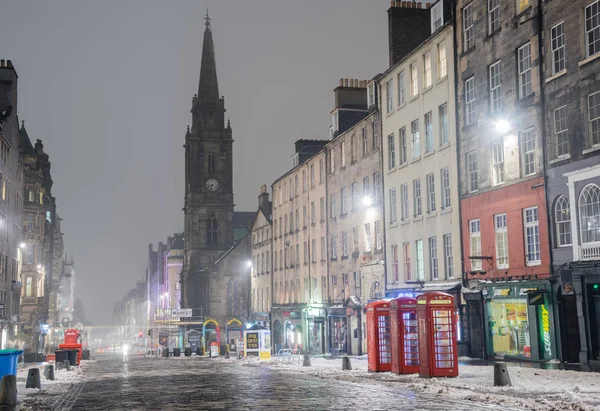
(519, 321)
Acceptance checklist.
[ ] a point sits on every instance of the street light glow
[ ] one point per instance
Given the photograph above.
(39, 266)
(249, 263)
(22, 245)
(502, 126)
(367, 201)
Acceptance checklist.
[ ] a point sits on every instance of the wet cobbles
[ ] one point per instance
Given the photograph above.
(205, 384)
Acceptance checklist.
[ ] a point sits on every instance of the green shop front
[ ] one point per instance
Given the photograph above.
(519, 321)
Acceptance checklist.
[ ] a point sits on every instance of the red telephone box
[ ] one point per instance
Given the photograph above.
(438, 354)
(405, 335)
(378, 336)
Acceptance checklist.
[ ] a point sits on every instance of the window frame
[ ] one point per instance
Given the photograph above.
(527, 150)
(524, 68)
(501, 240)
(588, 32)
(558, 48)
(561, 136)
(468, 34)
(498, 170)
(495, 81)
(475, 244)
(427, 74)
(535, 226)
(562, 223)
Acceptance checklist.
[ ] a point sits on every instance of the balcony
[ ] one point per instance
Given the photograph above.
(590, 251)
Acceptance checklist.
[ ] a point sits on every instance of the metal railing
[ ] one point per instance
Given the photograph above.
(590, 251)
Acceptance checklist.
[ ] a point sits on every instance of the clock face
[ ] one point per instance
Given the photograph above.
(212, 184)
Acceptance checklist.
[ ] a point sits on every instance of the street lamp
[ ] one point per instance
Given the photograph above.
(22, 245)
(502, 126)
(367, 201)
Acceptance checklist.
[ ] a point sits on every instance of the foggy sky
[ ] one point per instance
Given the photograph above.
(107, 85)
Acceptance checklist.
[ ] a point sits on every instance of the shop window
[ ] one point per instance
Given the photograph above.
(510, 327)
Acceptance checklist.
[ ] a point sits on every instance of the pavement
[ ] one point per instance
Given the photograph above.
(113, 382)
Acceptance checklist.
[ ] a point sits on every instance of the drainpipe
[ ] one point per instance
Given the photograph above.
(272, 292)
(459, 181)
(540, 29)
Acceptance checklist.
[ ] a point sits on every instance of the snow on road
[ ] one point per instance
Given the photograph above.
(532, 389)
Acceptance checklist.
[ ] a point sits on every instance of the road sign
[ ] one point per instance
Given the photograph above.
(183, 312)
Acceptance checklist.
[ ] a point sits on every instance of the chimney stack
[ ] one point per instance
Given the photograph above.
(263, 200)
(409, 24)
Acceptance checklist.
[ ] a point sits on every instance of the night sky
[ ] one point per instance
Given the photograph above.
(107, 85)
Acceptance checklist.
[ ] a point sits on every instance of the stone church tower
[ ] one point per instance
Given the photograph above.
(208, 184)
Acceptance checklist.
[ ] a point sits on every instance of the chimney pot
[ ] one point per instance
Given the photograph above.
(341, 82)
(345, 82)
(263, 189)
(1, 63)
(8, 63)
(392, 3)
(428, 5)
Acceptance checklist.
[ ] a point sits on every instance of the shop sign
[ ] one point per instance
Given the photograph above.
(525, 291)
(252, 340)
(545, 327)
(408, 306)
(295, 314)
(432, 302)
(484, 291)
(535, 298)
(502, 292)
(285, 314)
(313, 312)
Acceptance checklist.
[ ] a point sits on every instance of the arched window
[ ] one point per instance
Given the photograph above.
(375, 292)
(211, 161)
(562, 218)
(589, 213)
(212, 230)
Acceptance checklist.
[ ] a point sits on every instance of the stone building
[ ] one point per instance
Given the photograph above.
(420, 166)
(299, 275)
(11, 207)
(501, 161)
(355, 220)
(571, 82)
(216, 276)
(262, 248)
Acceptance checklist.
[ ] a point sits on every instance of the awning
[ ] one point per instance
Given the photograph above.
(353, 301)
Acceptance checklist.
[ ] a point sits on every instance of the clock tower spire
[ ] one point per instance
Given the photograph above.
(209, 204)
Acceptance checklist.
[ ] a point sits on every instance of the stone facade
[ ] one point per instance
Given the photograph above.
(501, 154)
(572, 99)
(262, 248)
(354, 225)
(11, 206)
(300, 274)
(420, 169)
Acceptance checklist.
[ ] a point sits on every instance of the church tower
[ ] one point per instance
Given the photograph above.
(208, 183)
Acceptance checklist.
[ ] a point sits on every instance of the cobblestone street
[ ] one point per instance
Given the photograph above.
(207, 384)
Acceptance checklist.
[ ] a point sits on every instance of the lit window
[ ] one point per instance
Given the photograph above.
(427, 70)
(414, 80)
(475, 244)
(501, 241)
(401, 93)
(446, 197)
(442, 64)
(416, 139)
(522, 5)
(428, 133)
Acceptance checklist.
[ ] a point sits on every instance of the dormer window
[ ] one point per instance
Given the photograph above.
(334, 121)
(437, 16)
(371, 95)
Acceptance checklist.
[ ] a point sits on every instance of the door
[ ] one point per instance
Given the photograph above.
(570, 342)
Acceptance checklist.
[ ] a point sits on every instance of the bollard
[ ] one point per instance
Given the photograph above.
(501, 377)
(67, 365)
(49, 372)
(59, 366)
(346, 366)
(8, 391)
(227, 354)
(306, 362)
(33, 378)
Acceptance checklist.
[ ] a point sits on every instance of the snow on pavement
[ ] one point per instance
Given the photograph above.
(532, 389)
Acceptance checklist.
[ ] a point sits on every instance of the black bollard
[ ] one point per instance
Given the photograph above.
(227, 354)
(33, 378)
(501, 377)
(49, 372)
(8, 390)
(306, 361)
(67, 365)
(346, 366)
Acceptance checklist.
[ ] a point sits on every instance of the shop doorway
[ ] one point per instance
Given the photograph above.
(277, 331)
(594, 294)
(339, 335)
(570, 343)
(315, 336)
